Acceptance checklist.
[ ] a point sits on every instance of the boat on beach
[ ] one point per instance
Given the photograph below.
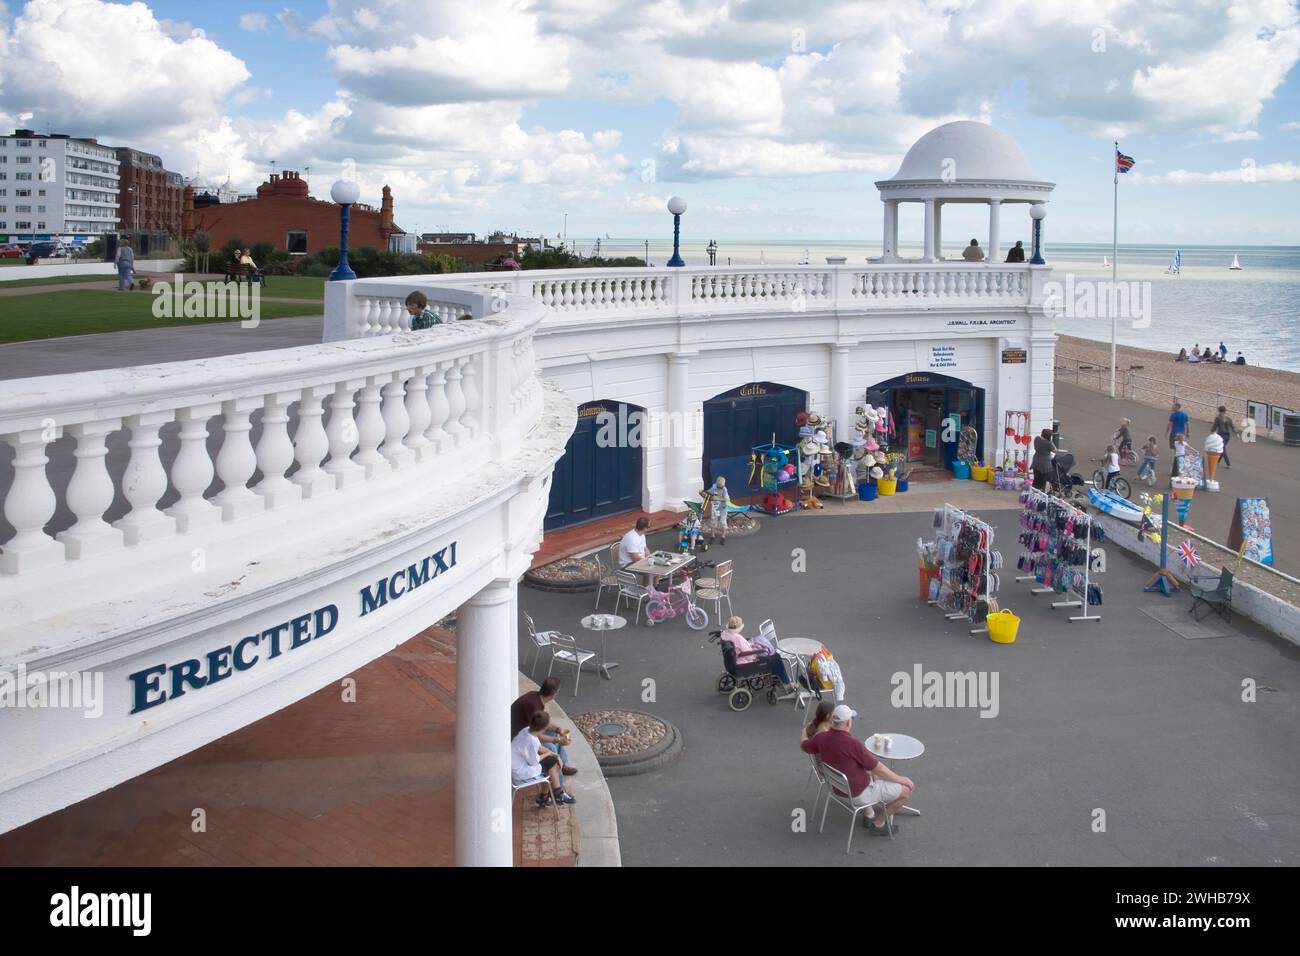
(1176, 266)
(1117, 506)
(1105, 262)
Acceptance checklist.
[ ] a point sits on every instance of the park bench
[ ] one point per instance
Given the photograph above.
(1217, 598)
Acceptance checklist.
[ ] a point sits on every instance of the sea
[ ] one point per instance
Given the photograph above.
(1255, 311)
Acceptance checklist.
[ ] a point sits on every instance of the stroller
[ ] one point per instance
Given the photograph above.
(1063, 483)
(741, 681)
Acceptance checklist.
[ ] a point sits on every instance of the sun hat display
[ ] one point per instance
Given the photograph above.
(801, 418)
(814, 419)
(877, 472)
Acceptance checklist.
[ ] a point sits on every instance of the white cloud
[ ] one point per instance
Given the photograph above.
(300, 28)
(250, 93)
(1246, 174)
(254, 23)
(1292, 126)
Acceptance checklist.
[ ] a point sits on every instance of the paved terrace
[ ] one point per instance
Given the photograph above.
(1125, 715)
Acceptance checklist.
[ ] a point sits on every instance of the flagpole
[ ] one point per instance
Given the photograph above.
(1114, 270)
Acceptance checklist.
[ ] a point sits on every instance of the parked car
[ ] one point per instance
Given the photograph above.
(11, 252)
(46, 250)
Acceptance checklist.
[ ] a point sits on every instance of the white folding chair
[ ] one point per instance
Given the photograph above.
(837, 789)
(630, 589)
(608, 572)
(565, 650)
(541, 641)
(815, 773)
(542, 781)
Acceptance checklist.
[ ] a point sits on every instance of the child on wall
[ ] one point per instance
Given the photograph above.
(422, 317)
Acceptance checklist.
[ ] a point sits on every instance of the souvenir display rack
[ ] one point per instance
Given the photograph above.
(1056, 551)
(776, 471)
(963, 552)
(1016, 450)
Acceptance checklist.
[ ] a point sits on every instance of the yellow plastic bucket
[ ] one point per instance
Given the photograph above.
(980, 472)
(1003, 626)
(887, 486)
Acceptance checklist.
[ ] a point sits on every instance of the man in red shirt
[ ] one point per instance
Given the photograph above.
(870, 781)
(534, 702)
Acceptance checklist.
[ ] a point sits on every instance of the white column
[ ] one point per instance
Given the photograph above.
(840, 391)
(938, 230)
(484, 833)
(678, 483)
(991, 254)
(928, 254)
(889, 242)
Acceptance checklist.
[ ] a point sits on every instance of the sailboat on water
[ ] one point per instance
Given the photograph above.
(1236, 266)
(1105, 262)
(1176, 266)
(803, 261)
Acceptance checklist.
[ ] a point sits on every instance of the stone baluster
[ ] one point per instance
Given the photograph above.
(236, 461)
(90, 492)
(473, 396)
(366, 315)
(275, 452)
(370, 428)
(192, 471)
(145, 481)
(311, 444)
(455, 404)
(417, 414)
(396, 420)
(343, 435)
(439, 409)
(30, 504)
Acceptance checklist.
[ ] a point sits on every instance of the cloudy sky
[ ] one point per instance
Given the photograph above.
(773, 121)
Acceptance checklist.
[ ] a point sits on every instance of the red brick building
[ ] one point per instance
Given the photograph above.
(284, 215)
(149, 197)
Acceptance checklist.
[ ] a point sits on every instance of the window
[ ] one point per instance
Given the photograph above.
(22, 208)
(40, 225)
(24, 142)
(26, 177)
(40, 209)
(22, 192)
(296, 242)
(40, 192)
(4, 208)
(21, 224)
(42, 144)
(24, 160)
(4, 159)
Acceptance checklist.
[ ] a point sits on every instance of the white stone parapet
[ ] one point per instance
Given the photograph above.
(372, 307)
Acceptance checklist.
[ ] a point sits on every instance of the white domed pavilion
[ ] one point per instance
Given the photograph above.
(960, 162)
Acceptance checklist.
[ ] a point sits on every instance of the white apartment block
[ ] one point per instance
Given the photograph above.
(56, 187)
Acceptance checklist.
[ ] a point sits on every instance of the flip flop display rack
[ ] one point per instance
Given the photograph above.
(1056, 552)
(963, 551)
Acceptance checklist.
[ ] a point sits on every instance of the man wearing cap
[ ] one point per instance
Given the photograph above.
(870, 781)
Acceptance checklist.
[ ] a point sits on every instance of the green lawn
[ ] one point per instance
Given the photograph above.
(53, 280)
(48, 315)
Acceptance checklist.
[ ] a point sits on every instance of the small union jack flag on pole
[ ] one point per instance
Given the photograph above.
(1123, 163)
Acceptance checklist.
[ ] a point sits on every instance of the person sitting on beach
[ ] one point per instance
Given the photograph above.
(422, 317)
(1195, 356)
(1017, 252)
(1150, 454)
(1207, 355)
(973, 252)
(1240, 360)
(1182, 355)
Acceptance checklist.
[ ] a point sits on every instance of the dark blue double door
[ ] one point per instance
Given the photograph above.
(736, 421)
(600, 473)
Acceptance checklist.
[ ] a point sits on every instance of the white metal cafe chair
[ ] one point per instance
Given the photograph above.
(542, 781)
(630, 589)
(718, 592)
(541, 641)
(608, 561)
(711, 581)
(837, 790)
(565, 650)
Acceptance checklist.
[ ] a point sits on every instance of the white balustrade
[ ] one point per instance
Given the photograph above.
(393, 407)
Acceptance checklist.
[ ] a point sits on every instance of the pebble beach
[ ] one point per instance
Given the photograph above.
(1201, 387)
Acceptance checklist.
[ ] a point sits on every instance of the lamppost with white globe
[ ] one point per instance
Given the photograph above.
(345, 193)
(677, 206)
(1038, 212)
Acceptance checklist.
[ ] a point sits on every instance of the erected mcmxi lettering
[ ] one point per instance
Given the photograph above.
(163, 682)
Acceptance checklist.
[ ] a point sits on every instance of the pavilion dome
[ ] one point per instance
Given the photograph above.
(974, 151)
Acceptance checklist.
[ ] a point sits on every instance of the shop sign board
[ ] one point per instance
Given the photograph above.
(942, 356)
(1015, 356)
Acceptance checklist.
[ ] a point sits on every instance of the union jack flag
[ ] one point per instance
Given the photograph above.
(1187, 552)
(1123, 163)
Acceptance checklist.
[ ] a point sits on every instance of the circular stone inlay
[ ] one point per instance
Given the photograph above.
(567, 574)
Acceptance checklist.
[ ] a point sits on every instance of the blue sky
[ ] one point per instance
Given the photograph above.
(773, 122)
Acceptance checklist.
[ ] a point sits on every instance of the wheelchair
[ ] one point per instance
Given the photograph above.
(742, 682)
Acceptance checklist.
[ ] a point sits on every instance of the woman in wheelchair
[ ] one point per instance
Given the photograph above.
(749, 653)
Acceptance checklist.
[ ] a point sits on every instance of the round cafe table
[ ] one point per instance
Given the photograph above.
(904, 748)
(604, 623)
(803, 649)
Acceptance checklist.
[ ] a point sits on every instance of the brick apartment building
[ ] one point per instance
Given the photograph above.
(284, 215)
(149, 197)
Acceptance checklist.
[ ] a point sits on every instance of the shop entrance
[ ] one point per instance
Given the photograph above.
(929, 411)
(600, 473)
(736, 421)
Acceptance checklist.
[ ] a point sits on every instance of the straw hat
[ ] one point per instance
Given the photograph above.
(814, 419)
(877, 472)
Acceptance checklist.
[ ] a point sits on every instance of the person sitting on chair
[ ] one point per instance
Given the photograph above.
(973, 252)
(750, 652)
(535, 702)
(870, 781)
(821, 721)
(530, 761)
(632, 546)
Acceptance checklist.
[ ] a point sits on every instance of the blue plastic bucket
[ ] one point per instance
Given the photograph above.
(961, 469)
(902, 485)
(867, 491)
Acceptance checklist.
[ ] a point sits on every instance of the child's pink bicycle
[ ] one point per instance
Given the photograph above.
(677, 598)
